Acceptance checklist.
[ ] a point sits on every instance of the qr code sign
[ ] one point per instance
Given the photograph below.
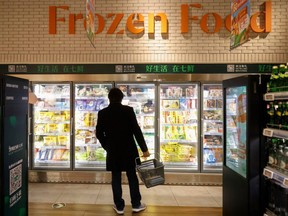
(15, 178)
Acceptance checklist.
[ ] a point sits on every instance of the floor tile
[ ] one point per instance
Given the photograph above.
(161, 195)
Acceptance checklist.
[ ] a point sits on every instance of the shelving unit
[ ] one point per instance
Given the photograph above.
(272, 173)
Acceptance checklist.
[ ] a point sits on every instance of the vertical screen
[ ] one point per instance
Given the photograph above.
(236, 124)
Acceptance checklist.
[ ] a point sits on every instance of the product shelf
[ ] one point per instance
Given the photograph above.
(271, 132)
(274, 174)
(271, 96)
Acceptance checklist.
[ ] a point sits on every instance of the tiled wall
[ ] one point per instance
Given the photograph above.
(25, 38)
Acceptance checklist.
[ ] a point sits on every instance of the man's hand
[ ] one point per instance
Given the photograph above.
(146, 154)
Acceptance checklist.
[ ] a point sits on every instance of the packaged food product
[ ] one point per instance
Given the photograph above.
(80, 104)
(51, 128)
(50, 141)
(63, 141)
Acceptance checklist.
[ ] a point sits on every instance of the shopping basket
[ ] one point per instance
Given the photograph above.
(151, 172)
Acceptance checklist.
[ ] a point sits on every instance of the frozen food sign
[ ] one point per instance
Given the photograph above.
(134, 23)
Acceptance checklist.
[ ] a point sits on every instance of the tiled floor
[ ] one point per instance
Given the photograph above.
(200, 196)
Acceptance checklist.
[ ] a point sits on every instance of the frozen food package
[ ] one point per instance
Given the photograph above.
(80, 105)
(91, 153)
(190, 92)
(90, 105)
(50, 141)
(63, 141)
(80, 153)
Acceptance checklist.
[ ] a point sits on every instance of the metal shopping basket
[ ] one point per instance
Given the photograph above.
(151, 172)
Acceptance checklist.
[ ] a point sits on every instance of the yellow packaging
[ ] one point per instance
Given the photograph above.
(67, 115)
(58, 118)
(44, 116)
(51, 128)
(63, 141)
(50, 141)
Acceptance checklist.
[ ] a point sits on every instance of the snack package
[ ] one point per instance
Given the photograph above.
(90, 105)
(50, 141)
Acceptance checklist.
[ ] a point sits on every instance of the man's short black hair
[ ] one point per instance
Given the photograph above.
(115, 95)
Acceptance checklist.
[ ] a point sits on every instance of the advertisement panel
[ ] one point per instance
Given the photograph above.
(240, 22)
(90, 20)
(14, 195)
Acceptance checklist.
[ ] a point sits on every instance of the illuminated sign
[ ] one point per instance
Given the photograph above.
(135, 22)
(136, 68)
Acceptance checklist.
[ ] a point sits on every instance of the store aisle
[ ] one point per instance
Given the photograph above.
(164, 195)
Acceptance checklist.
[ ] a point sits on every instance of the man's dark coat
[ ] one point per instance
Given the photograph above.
(116, 128)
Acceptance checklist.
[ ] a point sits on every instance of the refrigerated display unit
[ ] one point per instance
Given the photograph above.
(179, 126)
(276, 143)
(51, 125)
(89, 98)
(212, 127)
(142, 97)
(244, 119)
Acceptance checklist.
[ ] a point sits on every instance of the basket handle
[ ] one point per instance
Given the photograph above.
(139, 159)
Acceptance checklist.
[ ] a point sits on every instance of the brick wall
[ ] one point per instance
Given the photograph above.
(25, 38)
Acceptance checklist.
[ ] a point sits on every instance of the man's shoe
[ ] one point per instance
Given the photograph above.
(120, 212)
(140, 208)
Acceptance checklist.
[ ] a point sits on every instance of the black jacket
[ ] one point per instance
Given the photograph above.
(116, 128)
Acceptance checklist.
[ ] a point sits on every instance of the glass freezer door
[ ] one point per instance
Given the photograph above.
(89, 99)
(141, 96)
(51, 126)
(179, 126)
(212, 127)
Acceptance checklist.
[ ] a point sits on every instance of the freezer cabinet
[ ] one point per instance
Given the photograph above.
(141, 96)
(51, 125)
(212, 127)
(179, 126)
(89, 98)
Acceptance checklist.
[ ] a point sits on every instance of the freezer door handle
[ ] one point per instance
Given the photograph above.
(29, 125)
(71, 126)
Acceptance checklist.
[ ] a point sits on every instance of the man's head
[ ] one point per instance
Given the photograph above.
(115, 95)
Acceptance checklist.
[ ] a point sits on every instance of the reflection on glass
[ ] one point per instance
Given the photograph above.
(236, 129)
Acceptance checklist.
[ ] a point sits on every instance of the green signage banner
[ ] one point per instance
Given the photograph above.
(135, 68)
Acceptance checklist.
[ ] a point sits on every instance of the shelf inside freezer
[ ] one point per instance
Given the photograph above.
(90, 97)
(212, 146)
(216, 164)
(273, 173)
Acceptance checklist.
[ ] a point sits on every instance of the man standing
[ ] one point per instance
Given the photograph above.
(116, 129)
